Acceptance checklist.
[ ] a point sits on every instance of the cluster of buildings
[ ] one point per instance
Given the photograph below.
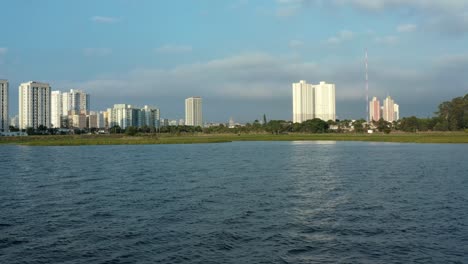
(41, 107)
(389, 110)
(313, 101)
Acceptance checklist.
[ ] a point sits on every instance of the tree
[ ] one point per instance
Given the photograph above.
(358, 126)
(453, 115)
(382, 125)
(30, 131)
(131, 131)
(115, 130)
(315, 125)
(275, 126)
(264, 120)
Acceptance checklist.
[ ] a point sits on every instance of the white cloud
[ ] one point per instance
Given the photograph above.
(104, 19)
(293, 44)
(443, 16)
(3, 51)
(239, 4)
(169, 48)
(387, 40)
(96, 52)
(405, 28)
(259, 78)
(342, 36)
(379, 5)
(286, 11)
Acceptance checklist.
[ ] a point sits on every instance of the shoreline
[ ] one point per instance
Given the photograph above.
(82, 140)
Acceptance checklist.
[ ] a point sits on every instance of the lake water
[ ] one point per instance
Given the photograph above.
(243, 202)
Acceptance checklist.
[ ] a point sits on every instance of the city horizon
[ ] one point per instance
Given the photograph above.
(243, 73)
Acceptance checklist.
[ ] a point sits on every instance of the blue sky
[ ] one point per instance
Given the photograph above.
(241, 56)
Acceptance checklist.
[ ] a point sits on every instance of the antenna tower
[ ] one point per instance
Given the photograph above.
(367, 90)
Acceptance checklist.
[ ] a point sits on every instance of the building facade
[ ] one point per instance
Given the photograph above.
(34, 105)
(388, 110)
(124, 115)
(313, 101)
(4, 120)
(325, 108)
(396, 112)
(193, 111)
(374, 109)
(79, 101)
(303, 101)
(149, 116)
(56, 109)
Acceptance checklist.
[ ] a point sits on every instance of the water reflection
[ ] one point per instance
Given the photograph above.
(310, 142)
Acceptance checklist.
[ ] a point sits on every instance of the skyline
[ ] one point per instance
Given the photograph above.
(240, 56)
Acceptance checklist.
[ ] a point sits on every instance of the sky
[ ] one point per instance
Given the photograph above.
(240, 56)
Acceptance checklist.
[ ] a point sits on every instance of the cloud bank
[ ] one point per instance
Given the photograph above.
(261, 77)
(104, 19)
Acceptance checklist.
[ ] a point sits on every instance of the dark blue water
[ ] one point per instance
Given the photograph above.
(252, 202)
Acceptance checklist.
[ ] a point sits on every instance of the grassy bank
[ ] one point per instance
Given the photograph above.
(78, 140)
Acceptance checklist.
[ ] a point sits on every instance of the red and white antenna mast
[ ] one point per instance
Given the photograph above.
(367, 90)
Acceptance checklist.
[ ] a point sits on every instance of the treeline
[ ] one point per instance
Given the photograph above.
(274, 127)
(451, 116)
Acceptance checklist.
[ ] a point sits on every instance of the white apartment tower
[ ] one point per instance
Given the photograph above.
(193, 111)
(66, 104)
(303, 101)
(388, 110)
(396, 112)
(78, 102)
(313, 101)
(34, 105)
(149, 116)
(56, 109)
(325, 101)
(4, 121)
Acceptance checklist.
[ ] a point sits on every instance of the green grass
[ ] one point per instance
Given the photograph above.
(79, 140)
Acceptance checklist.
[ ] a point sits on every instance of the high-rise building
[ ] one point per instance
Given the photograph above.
(123, 115)
(388, 112)
(374, 109)
(313, 101)
(325, 101)
(56, 109)
(34, 105)
(303, 101)
(193, 111)
(66, 104)
(164, 122)
(79, 101)
(396, 112)
(149, 116)
(4, 121)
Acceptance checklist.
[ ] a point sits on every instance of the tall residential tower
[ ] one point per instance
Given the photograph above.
(303, 101)
(4, 124)
(34, 105)
(388, 110)
(56, 109)
(374, 109)
(325, 101)
(193, 111)
(313, 101)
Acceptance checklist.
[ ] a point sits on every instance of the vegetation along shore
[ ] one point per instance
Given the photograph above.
(77, 140)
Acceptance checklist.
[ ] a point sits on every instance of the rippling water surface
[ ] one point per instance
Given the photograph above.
(245, 202)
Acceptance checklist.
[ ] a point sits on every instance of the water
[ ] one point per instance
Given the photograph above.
(245, 202)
